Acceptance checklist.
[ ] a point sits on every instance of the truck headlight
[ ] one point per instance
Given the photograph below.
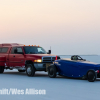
(38, 60)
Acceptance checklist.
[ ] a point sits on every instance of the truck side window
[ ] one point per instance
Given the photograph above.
(0, 50)
(19, 50)
(12, 51)
(3, 50)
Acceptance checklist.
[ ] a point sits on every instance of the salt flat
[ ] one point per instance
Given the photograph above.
(60, 88)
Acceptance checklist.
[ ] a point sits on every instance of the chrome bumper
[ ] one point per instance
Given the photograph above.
(41, 66)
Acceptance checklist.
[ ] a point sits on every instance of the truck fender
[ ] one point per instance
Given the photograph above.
(28, 62)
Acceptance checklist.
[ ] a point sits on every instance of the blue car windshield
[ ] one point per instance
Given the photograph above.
(34, 50)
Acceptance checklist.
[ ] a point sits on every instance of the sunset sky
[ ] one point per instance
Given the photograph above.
(68, 26)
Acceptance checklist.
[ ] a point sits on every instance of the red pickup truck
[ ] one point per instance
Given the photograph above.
(25, 58)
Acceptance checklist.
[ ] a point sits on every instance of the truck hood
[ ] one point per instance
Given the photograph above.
(40, 55)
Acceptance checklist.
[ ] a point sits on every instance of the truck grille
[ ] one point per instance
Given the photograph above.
(49, 59)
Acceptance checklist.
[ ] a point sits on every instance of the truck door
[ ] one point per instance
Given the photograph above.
(17, 58)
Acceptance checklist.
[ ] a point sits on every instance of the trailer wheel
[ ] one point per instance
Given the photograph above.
(91, 76)
(30, 70)
(1, 69)
(52, 71)
(21, 70)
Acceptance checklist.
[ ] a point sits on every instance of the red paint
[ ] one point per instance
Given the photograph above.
(56, 58)
(97, 71)
(12, 60)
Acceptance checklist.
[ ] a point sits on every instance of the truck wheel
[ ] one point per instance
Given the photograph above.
(1, 69)
(91, 76)
(21, 70)
(52, 71)
(30, 70)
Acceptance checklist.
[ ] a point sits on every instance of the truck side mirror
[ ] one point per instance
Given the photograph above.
(49, 52)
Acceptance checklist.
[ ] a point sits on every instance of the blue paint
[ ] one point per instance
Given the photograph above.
(75, 68)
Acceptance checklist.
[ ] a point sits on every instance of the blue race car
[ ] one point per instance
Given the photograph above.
(76, 67)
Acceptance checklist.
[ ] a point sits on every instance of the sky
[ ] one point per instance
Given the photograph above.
(70, 27)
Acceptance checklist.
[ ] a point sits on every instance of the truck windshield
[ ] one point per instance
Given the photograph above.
(34, 50)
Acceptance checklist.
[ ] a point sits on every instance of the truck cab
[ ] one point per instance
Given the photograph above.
(25, 58)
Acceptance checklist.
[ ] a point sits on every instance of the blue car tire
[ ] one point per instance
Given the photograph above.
(91, 76)
(52, 71)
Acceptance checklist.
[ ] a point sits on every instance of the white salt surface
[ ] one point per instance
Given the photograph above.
(60, 88)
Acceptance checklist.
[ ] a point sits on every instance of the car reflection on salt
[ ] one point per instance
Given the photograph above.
(76, 67)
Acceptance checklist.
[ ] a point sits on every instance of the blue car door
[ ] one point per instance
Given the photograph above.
(70, 69)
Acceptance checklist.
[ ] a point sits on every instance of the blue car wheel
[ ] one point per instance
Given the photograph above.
(91, 76)
(52, 71)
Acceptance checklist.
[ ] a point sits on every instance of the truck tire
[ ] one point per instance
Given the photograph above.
(52, 71)
(21, 70)
(1, 69)
(91, 76)
(30, 70)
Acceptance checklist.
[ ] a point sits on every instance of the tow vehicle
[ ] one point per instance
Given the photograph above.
(76, 67)
(25, 58)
